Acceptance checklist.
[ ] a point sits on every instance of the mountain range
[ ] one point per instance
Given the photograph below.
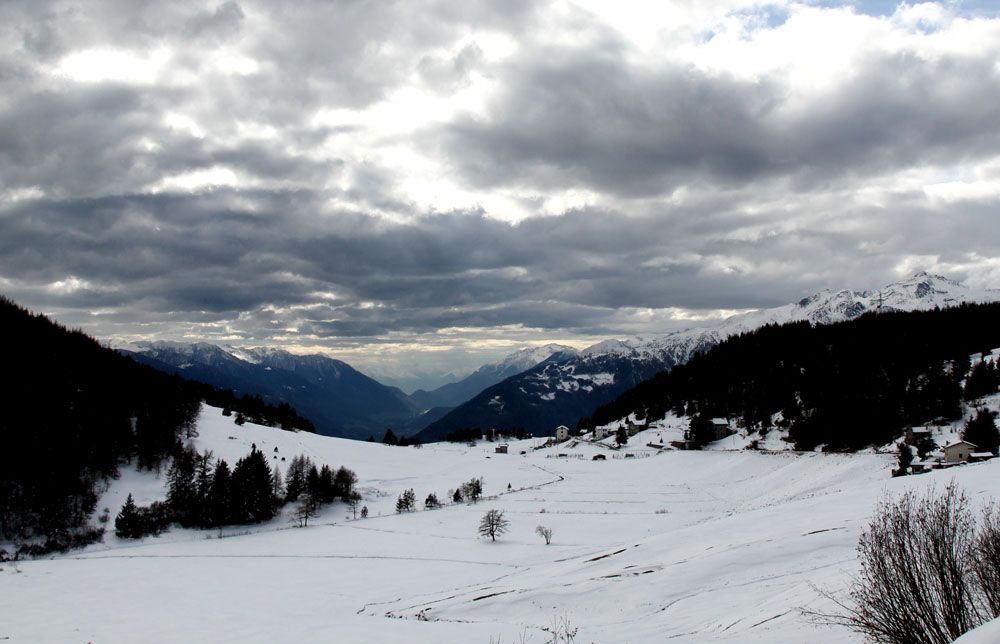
(535, 389)
(456, 393)
(563, 391)
(339, 399)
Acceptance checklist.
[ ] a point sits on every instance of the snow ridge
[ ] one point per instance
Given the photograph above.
(923, 291)
(594, 366)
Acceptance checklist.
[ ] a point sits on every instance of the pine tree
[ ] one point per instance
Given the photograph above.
(343, 483)
(182, 493)
(406, 502)
(981, 430)
(295, 479)
(472, 490)
(983, 380)
(203, 489)
(313, 483)
(220, 496)
(431, 501)
(252, 489)
(904, 459)
(326, 492)
(128, 523)
(390, 437)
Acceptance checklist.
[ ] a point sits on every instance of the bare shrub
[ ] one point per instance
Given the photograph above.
(929, 571)
(987, 559)
(545, 533)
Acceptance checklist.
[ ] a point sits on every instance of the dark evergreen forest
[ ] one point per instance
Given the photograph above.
(845, 386)
(74, 412)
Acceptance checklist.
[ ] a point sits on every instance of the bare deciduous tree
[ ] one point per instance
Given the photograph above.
(929, 571)
(305, 509)
(493, 524)
(545, 533)
(987, 559)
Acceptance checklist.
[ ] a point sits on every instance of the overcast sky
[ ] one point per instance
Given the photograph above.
(424, 185)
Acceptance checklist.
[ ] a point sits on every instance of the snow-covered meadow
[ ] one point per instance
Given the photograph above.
(714, 546)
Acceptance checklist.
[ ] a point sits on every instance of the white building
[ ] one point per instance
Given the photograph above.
(959, 451)
(562, 433)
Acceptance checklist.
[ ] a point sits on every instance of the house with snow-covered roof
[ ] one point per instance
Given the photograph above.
(634, 427)
(562, 433)
(916, 434)
(959, 451)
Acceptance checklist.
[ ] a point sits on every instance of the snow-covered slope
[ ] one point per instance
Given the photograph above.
(920, 292)
(490, 374)
(563, 391)
(674, 546)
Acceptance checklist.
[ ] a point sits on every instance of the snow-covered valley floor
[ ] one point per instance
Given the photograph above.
(708, 546)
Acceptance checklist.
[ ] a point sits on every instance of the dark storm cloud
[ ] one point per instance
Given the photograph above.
(205, 253)
(320, 237)
(572, 118)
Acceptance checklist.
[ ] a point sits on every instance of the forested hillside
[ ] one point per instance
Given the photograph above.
(75, 411)
(844, 386)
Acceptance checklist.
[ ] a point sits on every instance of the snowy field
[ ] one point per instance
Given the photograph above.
(715, 546)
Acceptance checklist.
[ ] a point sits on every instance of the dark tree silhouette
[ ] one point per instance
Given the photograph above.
(981, 430)
(493, 524)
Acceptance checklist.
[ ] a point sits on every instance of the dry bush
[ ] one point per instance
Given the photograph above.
(930, 571)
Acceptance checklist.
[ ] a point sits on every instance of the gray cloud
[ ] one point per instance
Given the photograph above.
(704, 190)
(590, 119)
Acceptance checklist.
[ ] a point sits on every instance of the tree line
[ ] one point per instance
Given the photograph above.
(846, 386)
(76, 411)
(203, 492)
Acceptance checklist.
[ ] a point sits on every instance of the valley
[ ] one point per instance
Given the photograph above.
(709, 546)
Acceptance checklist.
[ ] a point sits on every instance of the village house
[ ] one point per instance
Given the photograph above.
(600, 433)
(959, 451)
(562, 433)
(914, 435)
(634, 427)
(501, 449)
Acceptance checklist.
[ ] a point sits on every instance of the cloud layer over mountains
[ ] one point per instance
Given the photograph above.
(446, 180)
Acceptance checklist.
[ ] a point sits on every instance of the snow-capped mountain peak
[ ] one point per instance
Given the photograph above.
(562, 391)
(920, 292)
(526, 358)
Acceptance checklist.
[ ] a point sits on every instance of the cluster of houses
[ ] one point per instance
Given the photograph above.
(957, 452)
(633, 427)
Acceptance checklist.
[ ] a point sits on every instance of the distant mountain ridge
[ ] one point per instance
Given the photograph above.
(563, 391)
(340, 400)
(456, 393)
